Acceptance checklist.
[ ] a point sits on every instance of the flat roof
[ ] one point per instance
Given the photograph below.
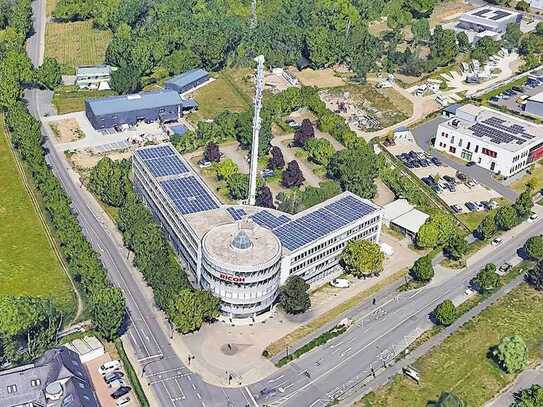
(411, 221)
(138, 101)
(490, 13)
(538, 97)
(494, 127)
(93, 70)
(396, 208)
(192, 199)
(186, 78)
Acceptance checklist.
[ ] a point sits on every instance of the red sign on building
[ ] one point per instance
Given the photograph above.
(230, 277)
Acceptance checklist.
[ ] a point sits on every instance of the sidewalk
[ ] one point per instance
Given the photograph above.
(523, 381)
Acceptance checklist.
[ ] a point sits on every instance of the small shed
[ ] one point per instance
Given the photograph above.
(404, 217)
(403, 133)
(187, 80)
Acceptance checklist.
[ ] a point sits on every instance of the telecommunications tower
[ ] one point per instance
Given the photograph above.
(256, 127)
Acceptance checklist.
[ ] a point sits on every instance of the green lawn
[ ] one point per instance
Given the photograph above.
(472, 219)
(69, 99)
(231, 90)
(535, 178)
(460, 364)
(28, 265)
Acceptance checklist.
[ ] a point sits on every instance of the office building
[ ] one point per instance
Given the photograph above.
(487, 21)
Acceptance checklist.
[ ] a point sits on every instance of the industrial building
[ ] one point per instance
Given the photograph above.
(93, 77)
(499, 142)
(244, 253)
(56, 379)
(187, 80)
(487, 21)
(534, 105)
(111, 111)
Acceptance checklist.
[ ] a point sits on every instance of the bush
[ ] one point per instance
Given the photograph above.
(511, 354)
(422, 269)
(534, 247)
(445, 313)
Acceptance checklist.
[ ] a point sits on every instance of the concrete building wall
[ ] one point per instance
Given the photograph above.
(109, 120)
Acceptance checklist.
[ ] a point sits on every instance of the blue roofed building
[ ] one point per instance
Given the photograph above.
(242, 253)
(187, 80)
(111, 111)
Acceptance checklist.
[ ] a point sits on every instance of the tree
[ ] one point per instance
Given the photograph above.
(487, 279)
(294, 295)
(539, 28)
(445, 313)
(303, 133)
(277, 161)
(535, 276)
(487, 228)
(238, 186)
(422, 270)
(362, 258)
(264, 198)
(529, 397)
(524, 203)
(48, 73)
(126, 80)
(109, 180)
(444, 47)
(427, 236)
(108, 308)
(506, 217)
(523, 6)
(292, 176)
(320, 150)
(512, 35)
(355, 168)
(463, 41)
(530, 44)
(212, 153)
(448, 400)
(421, 30)
(485, 48)
(534, 247)
(225, 168)
(511, 354)
(191, 308)
(456, 247)
(290, 202)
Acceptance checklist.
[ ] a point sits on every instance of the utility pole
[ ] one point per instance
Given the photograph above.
(256, 127)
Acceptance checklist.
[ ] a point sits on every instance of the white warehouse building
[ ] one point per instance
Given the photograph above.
(244, 253)
(487, 21)
(499, 142)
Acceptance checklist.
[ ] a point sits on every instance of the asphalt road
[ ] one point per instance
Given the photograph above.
(328, 372)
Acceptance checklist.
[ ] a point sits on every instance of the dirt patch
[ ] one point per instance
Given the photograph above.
(66, 131)
(448, 11)
(82, 161)
(321, 78)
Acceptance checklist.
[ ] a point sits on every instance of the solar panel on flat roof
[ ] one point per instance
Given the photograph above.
(482, 12)
(350, 208)
(236, 213)
(499, 14)
(164, 166)
(268, 220)
(188, 195)
(155, 152)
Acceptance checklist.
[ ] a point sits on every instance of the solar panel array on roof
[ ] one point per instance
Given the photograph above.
(268, 220)
(164, 166)
(236, 213)
(321, 222)
(498, 132)
(481, 13)
(499, 14)
(188, 195)
(155, 152)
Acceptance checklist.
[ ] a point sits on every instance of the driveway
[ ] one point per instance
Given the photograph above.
(423, 136)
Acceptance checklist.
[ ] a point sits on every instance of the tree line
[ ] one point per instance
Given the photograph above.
(185, 307)
(34, 322)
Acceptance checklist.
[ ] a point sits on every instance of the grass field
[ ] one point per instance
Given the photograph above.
(74, 44)
(28, 265)
(69, 99)
(461, 365)
(535, 178)
(50, 7)
(472, 219)
(231, 90)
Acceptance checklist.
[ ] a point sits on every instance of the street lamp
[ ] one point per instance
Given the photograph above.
(148, 363)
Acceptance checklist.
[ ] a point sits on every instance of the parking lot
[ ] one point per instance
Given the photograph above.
(103, 390)
(459, 191)
(513, 99)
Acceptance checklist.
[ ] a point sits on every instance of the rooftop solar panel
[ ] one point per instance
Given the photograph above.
(188, 195)
(268, 220)
(350, 208)
(155, 152)
(167, 165)
(236, 213)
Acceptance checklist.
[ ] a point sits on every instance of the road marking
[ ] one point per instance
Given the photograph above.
(158, 355)
(180, 389)
(169, 394)
(198, 395)
(277, 378)
(251, 396)
(165, 371)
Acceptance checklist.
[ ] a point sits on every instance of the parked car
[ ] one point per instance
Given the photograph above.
(518, 89)
(505, 268)
(456, 208)
(449, 179)
(125, 401)
(470, 164)
(121, 391)
(116, 384)
(267, 173)
(109, 366)
(451, 187)
(471, 206)
(533, 218)
(494, 99)
(204, 164)
(497, 241)
(493, 204)
(340, 283)
(461, 176)
(436, 161)
(112, 376)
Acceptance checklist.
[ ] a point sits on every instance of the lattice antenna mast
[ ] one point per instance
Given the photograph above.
(256, 127)
(254, 20)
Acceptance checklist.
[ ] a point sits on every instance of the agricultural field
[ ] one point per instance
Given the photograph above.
(474, 378)
(28, 264)
(74, 44)
(231, 90)
(68, 99)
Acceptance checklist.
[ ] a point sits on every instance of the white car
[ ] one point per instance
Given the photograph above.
(468, 291)
(204, 164)
(125, 401)
(110, 366)
(340, 283)
(533, 218)
(115, 384)
(498, 241)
